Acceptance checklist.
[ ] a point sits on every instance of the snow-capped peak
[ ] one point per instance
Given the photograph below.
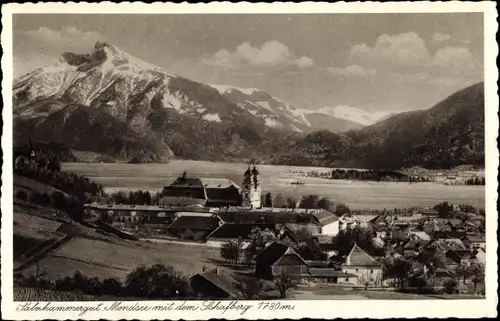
(353, 114)
(224, 89)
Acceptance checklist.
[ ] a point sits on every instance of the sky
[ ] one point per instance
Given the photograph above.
(376, 62)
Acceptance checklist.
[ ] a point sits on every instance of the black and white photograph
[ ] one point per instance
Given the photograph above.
(249, 157)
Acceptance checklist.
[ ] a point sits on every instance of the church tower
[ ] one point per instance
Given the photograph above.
(251, 191)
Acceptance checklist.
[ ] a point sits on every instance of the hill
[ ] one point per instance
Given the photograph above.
(448, 135)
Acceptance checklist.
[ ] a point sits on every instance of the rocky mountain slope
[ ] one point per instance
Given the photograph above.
(447, 135)
(110, 102)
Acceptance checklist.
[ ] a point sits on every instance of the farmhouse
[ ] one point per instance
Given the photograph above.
(215, 284)
(367, 269)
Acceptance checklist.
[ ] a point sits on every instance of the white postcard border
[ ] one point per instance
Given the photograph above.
(311, 309)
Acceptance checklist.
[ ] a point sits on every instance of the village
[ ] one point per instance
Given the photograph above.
(312, 242)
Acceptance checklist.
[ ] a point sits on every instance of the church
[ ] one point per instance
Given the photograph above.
(214, 192)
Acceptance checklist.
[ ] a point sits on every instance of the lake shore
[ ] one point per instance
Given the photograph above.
(278, 179)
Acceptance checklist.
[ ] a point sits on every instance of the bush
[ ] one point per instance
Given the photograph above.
(450, 286)
(111, 286)
(156, 282)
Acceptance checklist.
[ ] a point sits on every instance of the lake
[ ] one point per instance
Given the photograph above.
(277, 179)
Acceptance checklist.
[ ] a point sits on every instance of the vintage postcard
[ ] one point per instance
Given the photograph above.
(249, 161)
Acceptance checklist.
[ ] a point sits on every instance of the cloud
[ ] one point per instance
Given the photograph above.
(406, 54)
(456, 60)
(405, 49)
(271, 53)
(352, 70)
(67, 37)
(440, 37)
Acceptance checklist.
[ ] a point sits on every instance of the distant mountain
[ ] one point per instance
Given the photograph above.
(354, 115)
(279, 114)
(448, 135)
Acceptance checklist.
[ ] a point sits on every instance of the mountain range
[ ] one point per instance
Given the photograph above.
(121, 108)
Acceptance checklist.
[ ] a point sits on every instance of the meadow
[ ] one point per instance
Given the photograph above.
(278, 179)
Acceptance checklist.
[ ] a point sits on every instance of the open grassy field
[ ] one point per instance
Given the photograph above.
(97, 258)
(277, 179)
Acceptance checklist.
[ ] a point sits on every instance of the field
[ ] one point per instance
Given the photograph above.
(34, 294)
(97, 258)
(277, 179)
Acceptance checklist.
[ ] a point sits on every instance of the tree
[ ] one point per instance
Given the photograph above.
(156, 282)
(400, 269)
(284, 282)
(291, 202)
(279, 200)
(450, 286)
(231, 250)
(326, 204)
(477, 272)
(444, 209)
(342, 209)
(111, 286)
(250, 287)
(258, 239)
(463, 270)
(309, 201)
(268, 200)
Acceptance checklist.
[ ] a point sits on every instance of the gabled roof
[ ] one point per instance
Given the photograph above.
(195, 223)
(218, 183)
(358, 257)
(290, 257)
(422, 235)
(286, 232)
(221, 280)
(271, 253)
(325, 217)
(476, 238)
(237, 230)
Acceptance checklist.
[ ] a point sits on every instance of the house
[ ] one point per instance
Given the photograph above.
(215, 284)
(196, 227)
(231, 231)
(286, 236)
(328, 221)
(474, 241)
(331, 275)
(266, 258)
(451, 244)
(348, 221)
(290, 263)
(209, 192)
(481, 255)
(460, 256)
(380, 222)
(421, 235)
(365, 267)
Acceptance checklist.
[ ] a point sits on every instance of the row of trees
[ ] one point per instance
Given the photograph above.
(76, 185)
(476, 181)
(138, 197)
(369, 175)
(310, 201)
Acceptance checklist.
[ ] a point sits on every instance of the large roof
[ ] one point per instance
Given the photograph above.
(268, 217)
(237, 230)
(209, 182)
(271, 253)
(358, 257)
(221, 280)
(290, 257)
(195, 222)
(325, 217)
